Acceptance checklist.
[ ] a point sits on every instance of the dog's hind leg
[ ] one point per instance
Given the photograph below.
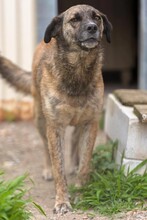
(75, 150)
(41, 125)
(88, 133)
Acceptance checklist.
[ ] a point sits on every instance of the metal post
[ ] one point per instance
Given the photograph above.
(45, 11)
(143, 45)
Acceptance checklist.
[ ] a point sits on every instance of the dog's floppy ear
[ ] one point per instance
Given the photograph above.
(107, 27)
(53, 28)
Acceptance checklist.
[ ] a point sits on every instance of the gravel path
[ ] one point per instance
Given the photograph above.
(21, 151)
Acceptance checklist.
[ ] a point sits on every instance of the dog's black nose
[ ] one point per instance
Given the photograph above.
(92, 28)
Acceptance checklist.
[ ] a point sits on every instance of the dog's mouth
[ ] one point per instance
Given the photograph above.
(89, 43)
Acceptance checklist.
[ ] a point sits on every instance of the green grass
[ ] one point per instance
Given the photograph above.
(109, 190)
(13, 205)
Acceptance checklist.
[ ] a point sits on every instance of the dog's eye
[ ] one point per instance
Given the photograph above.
(74, 20)
(77, 18)
(97, 18)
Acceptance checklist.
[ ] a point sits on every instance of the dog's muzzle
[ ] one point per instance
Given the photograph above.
(89, 36)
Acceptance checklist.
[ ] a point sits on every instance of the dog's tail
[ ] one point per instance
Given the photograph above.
(17, 77)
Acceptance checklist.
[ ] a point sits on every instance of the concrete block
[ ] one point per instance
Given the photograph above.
(123, 125)
(131, 164)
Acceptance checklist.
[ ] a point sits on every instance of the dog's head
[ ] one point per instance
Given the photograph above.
(80, 25)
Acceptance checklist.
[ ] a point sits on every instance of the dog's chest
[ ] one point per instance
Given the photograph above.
(71, 115)
(65, 113)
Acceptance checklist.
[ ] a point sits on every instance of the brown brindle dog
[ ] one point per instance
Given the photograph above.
(67, 86)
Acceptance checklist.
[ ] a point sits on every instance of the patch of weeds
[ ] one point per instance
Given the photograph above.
(13, 205)
(9, 116)
(109, 190)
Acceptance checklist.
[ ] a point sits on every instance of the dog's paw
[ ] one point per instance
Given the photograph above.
(62, 208)
(47, 174)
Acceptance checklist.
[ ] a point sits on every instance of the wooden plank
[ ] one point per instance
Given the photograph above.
(141, 112)
(131, 97)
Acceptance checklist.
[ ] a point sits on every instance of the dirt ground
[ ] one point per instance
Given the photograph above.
(21, 151)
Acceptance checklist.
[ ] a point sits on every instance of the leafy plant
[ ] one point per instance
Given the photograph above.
(109, 190)
(13, 205)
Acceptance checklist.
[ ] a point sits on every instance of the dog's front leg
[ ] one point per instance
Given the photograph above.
(86, 144)
(55, 136)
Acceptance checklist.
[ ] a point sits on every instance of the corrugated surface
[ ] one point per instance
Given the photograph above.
(17, 38)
